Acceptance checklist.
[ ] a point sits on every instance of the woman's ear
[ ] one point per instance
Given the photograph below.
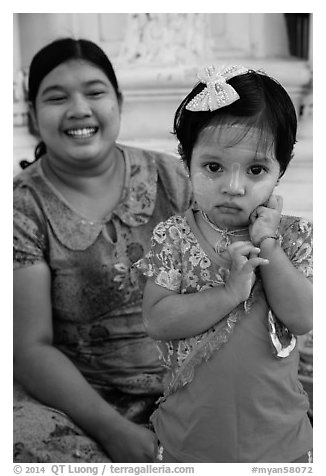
(33, 125)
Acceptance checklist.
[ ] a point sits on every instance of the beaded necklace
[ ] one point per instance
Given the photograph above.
(223, 240)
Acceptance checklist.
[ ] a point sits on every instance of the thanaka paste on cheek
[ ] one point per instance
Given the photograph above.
(204, 189)
(260, 195)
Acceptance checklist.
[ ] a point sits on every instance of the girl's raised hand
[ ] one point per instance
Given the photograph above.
(245, 259)
(265, 219)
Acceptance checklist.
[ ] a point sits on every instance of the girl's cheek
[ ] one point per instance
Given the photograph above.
(260, 193)
(204, 189)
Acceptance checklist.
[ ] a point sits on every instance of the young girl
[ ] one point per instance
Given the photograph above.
(229, 282)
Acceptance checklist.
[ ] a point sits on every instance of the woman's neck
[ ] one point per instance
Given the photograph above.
(89, 181)
(94, 195)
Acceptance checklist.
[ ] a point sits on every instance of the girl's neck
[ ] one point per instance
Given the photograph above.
(219, 238)
(225, 229)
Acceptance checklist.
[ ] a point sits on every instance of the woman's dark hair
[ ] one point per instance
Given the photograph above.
(263, 104)
(58, 52)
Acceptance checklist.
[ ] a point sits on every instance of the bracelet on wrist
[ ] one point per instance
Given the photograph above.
(263, 238)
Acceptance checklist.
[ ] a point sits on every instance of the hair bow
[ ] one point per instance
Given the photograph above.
(217, 93)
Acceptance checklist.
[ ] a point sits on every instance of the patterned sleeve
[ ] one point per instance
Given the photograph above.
(163, 261)
(28, 236)
(297, 244)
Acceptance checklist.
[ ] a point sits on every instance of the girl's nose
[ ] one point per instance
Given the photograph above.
(79, 107)
(234, 181)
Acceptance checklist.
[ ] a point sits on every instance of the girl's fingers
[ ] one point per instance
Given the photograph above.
(245, 249)
(276, 202)
(252, 263)
(239, 261)
(238, 244)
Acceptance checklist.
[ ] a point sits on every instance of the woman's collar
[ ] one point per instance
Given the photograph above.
(135, 208)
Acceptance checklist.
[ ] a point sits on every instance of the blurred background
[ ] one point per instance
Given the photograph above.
(156, 57)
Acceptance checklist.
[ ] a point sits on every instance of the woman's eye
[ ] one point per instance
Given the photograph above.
(96, 93)
(56, 98)
(257, 170)
(213, 167)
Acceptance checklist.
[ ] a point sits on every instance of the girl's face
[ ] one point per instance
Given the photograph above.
(77, 114)
(231, 175)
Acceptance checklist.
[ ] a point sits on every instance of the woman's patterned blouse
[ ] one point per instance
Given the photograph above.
(96, 296)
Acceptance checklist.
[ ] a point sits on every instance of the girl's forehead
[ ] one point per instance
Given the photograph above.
(226, 136)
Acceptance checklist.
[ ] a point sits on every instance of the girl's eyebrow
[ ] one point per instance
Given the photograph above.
(209, 156)
(258, 157)
(263, 158)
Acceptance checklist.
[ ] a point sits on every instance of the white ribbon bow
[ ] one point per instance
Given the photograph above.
(217, 93)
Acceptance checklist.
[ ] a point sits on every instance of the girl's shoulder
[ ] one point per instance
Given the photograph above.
(293, 228)
(176, 226)
(296, 239)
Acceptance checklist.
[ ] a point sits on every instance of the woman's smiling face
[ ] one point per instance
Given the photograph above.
(77, 113)
(232, 172)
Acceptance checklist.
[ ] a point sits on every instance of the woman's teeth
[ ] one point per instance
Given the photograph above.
(81, 133)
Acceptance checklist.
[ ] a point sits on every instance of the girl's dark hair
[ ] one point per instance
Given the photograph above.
(263, 104)
(56, 53)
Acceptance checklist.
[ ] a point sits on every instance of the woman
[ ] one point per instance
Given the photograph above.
(83, 214)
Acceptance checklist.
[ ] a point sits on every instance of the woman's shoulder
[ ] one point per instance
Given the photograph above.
(27, 176)
(28, 185)
(167, 170)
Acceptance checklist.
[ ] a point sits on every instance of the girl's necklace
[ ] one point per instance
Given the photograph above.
(223, 240)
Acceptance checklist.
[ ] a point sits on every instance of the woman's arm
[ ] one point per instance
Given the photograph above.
(53, 379)
(288, 291)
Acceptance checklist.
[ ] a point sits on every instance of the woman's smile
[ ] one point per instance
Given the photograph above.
(81, 133)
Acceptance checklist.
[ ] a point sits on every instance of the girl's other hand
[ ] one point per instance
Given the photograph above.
(131, 444)
(245, 259)
(265, 219)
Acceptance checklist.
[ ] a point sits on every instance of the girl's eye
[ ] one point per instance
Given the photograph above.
(213, 167)
(257, 170)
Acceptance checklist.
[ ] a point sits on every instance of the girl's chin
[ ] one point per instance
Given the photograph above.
(229, 221)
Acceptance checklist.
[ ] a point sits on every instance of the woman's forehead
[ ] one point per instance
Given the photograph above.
(78, 68)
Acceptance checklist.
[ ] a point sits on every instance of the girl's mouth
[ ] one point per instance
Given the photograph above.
(82, 132)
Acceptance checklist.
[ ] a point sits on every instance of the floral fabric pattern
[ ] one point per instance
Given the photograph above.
(178, 262)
